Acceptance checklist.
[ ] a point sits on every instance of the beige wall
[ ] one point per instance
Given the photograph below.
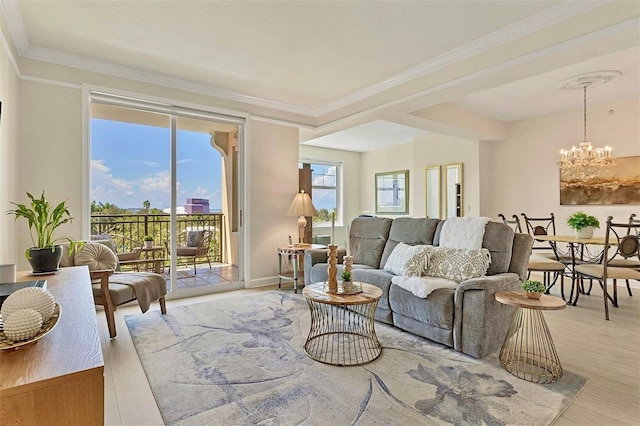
(272, 152)
(427, 150)
(394, 158)
(41, 149)
(50, 152)
(520, 174)
(9, 139)
(434, 149)
(350, 184)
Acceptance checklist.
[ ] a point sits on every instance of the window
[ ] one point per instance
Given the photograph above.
(325, 190)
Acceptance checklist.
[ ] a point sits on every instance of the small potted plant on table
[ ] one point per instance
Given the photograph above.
(45, 255)
(148, 241)
(534, 289)
(583, 224)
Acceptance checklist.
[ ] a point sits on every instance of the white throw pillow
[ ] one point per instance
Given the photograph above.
(407, 260)
(458, 264)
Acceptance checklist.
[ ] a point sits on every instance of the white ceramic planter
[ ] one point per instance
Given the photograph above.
(148, 244)
(585, 232)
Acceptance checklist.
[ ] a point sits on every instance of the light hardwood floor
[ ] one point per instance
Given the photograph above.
(606, 352)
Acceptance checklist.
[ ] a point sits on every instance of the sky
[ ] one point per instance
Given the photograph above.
(130, 164)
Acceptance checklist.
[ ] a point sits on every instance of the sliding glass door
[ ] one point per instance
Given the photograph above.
(162, 187)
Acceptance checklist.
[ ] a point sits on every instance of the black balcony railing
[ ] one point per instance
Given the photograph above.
(132, 228)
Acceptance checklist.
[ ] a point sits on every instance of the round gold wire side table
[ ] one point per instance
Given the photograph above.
(528, 351)
(342, 330)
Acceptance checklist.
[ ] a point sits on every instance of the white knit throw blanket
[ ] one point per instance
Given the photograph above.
(463, 232)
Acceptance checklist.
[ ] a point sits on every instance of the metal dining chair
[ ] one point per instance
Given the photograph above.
(545, 226)
(624, 242)
(626, 262)
(540, 263)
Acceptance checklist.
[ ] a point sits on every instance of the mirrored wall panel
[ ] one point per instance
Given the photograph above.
(453, 190)
(432, 191)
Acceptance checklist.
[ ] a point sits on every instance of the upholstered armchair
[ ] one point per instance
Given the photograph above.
(193, 245)
(112, 289)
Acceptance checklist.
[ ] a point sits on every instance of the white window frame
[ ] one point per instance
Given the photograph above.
(339, 189)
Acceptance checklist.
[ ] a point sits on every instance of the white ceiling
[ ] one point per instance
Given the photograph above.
(352, 69)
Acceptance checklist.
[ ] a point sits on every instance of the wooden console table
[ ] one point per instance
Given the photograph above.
(60, 379)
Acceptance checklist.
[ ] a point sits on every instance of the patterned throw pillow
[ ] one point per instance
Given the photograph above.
(194, 238)
(407, 260)
(458, 264)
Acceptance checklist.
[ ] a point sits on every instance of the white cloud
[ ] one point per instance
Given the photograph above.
(160, 181)
(201, 192)
(186, 160)
(151, 163)
(104, 186)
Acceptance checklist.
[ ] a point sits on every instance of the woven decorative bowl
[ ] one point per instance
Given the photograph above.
(6, 344)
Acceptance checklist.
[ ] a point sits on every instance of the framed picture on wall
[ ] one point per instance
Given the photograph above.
(615, 184)
(392, 192)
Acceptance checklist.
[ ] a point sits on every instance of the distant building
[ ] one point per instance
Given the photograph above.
(197, 205)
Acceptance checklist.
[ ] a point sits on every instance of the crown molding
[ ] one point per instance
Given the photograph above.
(108, 68)
(546, 18)
(569, 44)
(531, 24)
(15, 24)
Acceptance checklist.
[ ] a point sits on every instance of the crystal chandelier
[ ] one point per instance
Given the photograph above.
(585, 162)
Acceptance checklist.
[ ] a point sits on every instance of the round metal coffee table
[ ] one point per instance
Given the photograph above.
(342, 328)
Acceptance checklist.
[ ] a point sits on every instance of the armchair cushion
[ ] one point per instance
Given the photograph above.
(96, 257)
(195, 238)
(186, 251)
(67, 258)
(120, 293)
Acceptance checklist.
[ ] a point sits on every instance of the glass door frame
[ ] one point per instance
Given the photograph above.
(172, 109)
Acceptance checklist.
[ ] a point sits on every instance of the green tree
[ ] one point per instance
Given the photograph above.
(146, 205)
(324, 215)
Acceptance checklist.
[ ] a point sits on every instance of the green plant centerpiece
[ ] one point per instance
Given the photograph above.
(534, 289)
(43, 219)
(346, 276)
(583, 224)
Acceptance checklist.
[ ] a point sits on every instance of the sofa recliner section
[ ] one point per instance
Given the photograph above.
(466, 318)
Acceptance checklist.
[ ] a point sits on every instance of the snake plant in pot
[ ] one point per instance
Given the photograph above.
(45, 255)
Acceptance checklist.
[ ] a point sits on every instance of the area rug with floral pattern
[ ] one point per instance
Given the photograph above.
(239, 361)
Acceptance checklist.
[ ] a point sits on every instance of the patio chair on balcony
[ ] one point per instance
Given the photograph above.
(127, 249)
(194, 245)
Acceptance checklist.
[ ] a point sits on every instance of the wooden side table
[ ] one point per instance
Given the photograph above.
(528, 351)
(150, 256)
(342, 330)
(295, 253)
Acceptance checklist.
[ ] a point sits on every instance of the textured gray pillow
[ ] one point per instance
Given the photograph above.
(96, 257)
(406, 260)
(458, 264)
(194, 238)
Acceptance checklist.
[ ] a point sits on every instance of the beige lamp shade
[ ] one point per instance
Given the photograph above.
(302, 206)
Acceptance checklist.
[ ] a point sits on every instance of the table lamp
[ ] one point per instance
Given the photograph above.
(301, 206)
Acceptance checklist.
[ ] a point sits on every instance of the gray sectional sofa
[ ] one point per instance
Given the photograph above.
(467, 318)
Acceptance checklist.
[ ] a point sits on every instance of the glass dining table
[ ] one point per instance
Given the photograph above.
(578, 254)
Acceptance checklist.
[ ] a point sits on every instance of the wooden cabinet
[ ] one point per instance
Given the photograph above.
(60, 379)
